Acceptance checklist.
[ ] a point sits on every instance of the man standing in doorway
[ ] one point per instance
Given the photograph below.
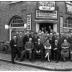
(50, 30)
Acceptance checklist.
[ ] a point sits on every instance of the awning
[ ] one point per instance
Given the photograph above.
(46, 21)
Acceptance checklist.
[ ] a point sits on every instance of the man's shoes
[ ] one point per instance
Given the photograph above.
(57, 61)
(30, 59)
(21, 60)
(13, 62)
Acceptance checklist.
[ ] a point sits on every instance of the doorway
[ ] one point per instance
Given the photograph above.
(47, 26)
(16, 24)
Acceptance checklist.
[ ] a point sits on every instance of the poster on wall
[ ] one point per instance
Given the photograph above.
(29, 22)
(47, 5)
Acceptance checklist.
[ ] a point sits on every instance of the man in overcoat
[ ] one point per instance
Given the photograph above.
(14, 50)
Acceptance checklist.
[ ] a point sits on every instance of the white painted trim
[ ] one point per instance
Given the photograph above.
(55, 27)
(37, 27)
(10, 30)
(17, 27)
(46, 21)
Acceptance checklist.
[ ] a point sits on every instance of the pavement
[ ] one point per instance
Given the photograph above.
(51, 66)
(4, 66)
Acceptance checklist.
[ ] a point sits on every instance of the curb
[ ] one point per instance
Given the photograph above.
(38, 67)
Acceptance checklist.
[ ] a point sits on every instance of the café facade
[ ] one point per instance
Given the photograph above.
(20, 16)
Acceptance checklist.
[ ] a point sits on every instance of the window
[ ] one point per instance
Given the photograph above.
(17, 22)
(68, 22)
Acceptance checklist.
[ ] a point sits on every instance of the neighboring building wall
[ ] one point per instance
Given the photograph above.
(22, 9)
(61, 11)
(7, 11)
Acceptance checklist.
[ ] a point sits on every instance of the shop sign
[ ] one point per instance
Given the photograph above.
(45, 14)
(47, 5)
(29, 22)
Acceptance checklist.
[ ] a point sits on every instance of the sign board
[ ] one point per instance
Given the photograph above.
(46, 14)
(17, 25)
(29, 22)
(47, 5)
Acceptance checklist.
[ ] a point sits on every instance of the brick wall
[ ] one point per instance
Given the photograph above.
(7, 11)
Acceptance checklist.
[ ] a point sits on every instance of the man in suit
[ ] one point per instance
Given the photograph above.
(70, 41)
(14, 50)
(26, 38)
(28, 49)
(20, 43)
(39, 50)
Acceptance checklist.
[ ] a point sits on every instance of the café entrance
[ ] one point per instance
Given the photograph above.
(47, 26)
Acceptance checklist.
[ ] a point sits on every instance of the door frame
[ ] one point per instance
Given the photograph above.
(38, 26)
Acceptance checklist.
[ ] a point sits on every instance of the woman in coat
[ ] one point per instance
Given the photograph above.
(65, 49)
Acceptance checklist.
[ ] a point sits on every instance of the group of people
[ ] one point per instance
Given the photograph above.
(41, 45)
